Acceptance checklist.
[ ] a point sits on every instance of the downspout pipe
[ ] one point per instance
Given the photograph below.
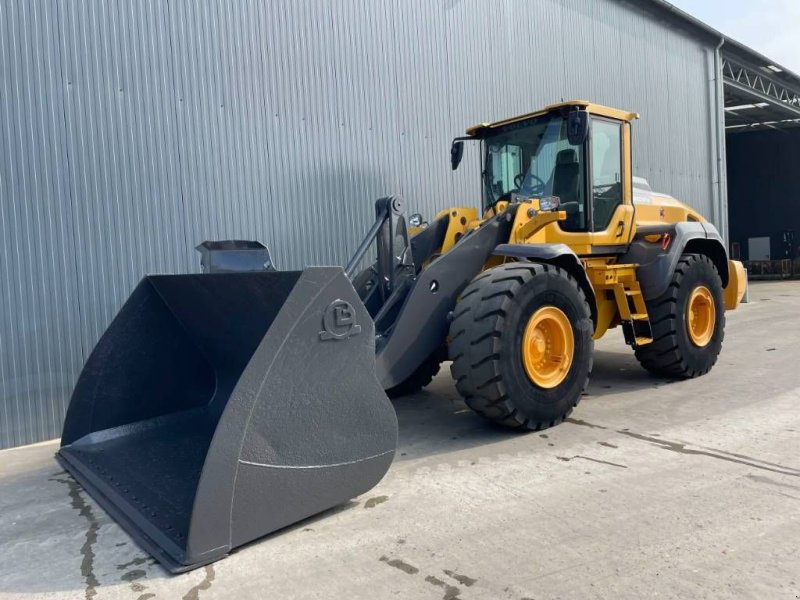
(722, 178)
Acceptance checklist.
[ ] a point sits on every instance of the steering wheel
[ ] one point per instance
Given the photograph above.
(537, 189)
(518, 181)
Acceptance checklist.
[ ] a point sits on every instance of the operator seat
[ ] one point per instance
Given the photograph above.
(565, 176)
(566, 185)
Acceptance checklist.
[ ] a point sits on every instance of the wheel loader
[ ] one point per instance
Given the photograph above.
(222, 406)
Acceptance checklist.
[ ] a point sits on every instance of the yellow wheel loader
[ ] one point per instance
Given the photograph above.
(223, 406)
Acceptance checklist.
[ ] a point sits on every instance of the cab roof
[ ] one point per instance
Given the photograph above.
(595, 109)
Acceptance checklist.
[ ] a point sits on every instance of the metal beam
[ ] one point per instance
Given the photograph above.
(748, 80)
(782, 126)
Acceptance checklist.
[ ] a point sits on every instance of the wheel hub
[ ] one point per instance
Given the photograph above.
(701, 316)
(548, 347)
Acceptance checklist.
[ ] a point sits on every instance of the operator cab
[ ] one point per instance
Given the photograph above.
(534, 156)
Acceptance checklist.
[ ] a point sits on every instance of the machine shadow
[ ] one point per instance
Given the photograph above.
(436, 420)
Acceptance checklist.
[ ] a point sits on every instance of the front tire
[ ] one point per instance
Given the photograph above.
(688, 322)
(521, 344)
(420, 378)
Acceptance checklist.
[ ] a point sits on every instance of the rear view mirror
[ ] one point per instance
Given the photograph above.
(456, 154)
(577, 127)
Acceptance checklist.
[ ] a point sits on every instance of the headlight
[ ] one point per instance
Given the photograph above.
(549, 203)
(415, 220)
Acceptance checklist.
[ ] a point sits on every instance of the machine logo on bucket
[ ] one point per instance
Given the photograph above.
(339, 321)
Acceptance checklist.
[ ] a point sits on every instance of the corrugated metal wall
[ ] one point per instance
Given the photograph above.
(131, 131)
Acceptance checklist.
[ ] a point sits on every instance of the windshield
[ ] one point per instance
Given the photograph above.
(534, 159)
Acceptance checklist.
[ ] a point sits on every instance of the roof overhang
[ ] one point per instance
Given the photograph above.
(756, 97)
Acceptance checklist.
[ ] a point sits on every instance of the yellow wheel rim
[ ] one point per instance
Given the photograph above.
(701, 316)
(548, 347)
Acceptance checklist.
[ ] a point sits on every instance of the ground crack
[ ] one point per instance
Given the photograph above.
(740, 459)
(87, 549)
(762, 479)
(583, 423)
(597, 460)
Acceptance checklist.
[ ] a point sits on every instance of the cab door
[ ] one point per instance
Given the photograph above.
(610, 193)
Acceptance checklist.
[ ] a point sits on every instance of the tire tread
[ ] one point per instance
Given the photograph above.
(476, 329)
(662, 356)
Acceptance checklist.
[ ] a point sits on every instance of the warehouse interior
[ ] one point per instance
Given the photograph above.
(762, 126)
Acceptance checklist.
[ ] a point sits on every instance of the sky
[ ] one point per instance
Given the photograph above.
(771, 27)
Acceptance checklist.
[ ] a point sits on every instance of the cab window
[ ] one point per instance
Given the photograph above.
(505, 165)
(606, 150)
(534, 159)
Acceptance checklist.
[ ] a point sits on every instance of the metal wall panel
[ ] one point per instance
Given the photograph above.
(130, 132)
(40, 325)
(122, 153)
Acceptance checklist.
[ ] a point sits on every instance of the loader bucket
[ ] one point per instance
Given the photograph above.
(218, 408)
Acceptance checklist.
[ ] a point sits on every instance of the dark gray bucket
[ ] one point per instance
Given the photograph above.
(218, 408)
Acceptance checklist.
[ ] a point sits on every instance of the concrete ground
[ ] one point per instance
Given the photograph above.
(653, 489)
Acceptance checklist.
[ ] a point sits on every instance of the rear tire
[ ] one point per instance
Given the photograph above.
(491, 321)
(673, 351)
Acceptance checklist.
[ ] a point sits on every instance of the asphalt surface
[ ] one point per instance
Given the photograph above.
(653, 489)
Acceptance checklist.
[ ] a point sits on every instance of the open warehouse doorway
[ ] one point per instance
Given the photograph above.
(762, 126)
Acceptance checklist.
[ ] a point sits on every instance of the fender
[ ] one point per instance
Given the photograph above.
(560, 255)
(657, 262)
